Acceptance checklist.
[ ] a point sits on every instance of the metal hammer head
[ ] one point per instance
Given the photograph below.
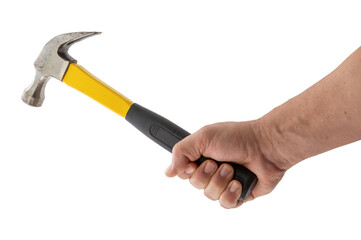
(53, 61)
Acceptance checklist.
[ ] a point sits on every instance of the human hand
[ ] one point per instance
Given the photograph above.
(238, 142)
(323, 117)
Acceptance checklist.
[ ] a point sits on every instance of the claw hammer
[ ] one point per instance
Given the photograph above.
(54, 61)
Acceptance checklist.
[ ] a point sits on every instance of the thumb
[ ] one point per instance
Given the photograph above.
(184, 153)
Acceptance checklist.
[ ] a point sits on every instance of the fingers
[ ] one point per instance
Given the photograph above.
(189, 170)
(184, 152)
(229, 197)
(219, 181)
(216, 181)
(201, 177)
(178, 167)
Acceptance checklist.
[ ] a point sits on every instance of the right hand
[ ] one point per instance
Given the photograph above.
(238, 142)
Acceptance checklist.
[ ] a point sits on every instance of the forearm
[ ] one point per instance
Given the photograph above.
(325, 116)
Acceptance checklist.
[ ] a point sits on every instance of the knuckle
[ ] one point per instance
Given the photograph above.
(177, 150)
(205, 131)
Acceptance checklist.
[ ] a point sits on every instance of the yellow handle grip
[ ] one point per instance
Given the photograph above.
(82, 80)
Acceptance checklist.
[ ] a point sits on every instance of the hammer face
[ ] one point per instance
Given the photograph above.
(34, 94)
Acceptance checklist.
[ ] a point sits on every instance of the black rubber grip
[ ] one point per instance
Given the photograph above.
(167, 134)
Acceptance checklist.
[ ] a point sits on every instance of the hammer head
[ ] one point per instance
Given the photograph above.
(53, 61)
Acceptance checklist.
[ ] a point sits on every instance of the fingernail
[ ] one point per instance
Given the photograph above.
(209, 168)
(225, 171)
(234, 187)
(189, 170)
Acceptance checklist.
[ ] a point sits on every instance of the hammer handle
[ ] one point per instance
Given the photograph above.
(154, 126)
(167, 134)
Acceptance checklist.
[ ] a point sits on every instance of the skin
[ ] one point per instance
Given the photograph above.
(325, 116)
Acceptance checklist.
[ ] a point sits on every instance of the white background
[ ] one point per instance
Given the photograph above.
(72, 169)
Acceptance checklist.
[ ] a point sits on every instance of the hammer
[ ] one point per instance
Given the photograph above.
(54, 61)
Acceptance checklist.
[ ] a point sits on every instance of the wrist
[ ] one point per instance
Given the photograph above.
(276, 146)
